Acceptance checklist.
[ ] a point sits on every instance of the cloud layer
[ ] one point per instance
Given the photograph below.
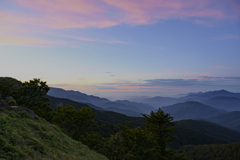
(46, 15)
(59, 14)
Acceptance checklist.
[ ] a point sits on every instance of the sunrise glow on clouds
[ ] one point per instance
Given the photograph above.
(40, 16)
(138, 46)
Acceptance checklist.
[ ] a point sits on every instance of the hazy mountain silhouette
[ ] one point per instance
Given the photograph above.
(156, 102)
(129, 113)
(123, 107)
(76, 96)
(145, 108)
(190, 110)
(120, 106)
(64, 101)
(201, 97)
(223, 102)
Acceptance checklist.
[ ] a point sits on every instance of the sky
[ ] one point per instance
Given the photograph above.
(123, 48)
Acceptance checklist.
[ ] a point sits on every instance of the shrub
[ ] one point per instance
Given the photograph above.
(12, 103)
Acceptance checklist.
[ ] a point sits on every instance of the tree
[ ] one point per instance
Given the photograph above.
(8, 86)
(30, 94)
(130, 144)
(160, 126)
(76, 123)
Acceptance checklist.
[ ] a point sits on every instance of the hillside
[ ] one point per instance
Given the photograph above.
(108, 116)
(212, 129)
(190, 110)
(212, 152)
(22, 137)
(54, 102)
(188, 136)
(195, 132)
(229, 120)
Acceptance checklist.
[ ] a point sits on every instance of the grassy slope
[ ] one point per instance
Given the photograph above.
(22, 137)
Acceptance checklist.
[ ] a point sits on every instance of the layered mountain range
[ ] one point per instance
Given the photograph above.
(220, 107)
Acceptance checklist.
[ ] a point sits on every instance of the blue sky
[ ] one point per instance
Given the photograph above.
(117, 49)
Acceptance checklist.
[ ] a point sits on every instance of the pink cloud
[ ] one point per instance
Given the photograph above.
(223, 67)
(93, 40)
(149, 11)
(83, 39)
(59, 14)
(26, 41)
(33, 16)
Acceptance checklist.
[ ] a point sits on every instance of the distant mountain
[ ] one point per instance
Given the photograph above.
(208, 95)
(190, 110)
(199, 97)
(54, 102)
(121, 106)
(101, 115)
(229, 119)
(129, 113)
(156, 102)
(144, 108)
(76, 96)
(223, 102)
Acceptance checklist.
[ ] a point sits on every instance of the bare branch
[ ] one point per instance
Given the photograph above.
(129, 152)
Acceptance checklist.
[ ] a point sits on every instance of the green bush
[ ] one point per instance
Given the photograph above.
(12, 103)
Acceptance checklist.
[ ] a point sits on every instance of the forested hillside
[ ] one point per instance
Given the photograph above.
(212, 152)
(229, 119)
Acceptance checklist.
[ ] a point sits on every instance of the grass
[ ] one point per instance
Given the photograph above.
(22, 137)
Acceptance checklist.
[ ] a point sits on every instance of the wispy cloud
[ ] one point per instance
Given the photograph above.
(27, 41)
(227, 37)
(203, 74)
(60, 14)
(198, 81)
(97, 40)
(48, 15)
